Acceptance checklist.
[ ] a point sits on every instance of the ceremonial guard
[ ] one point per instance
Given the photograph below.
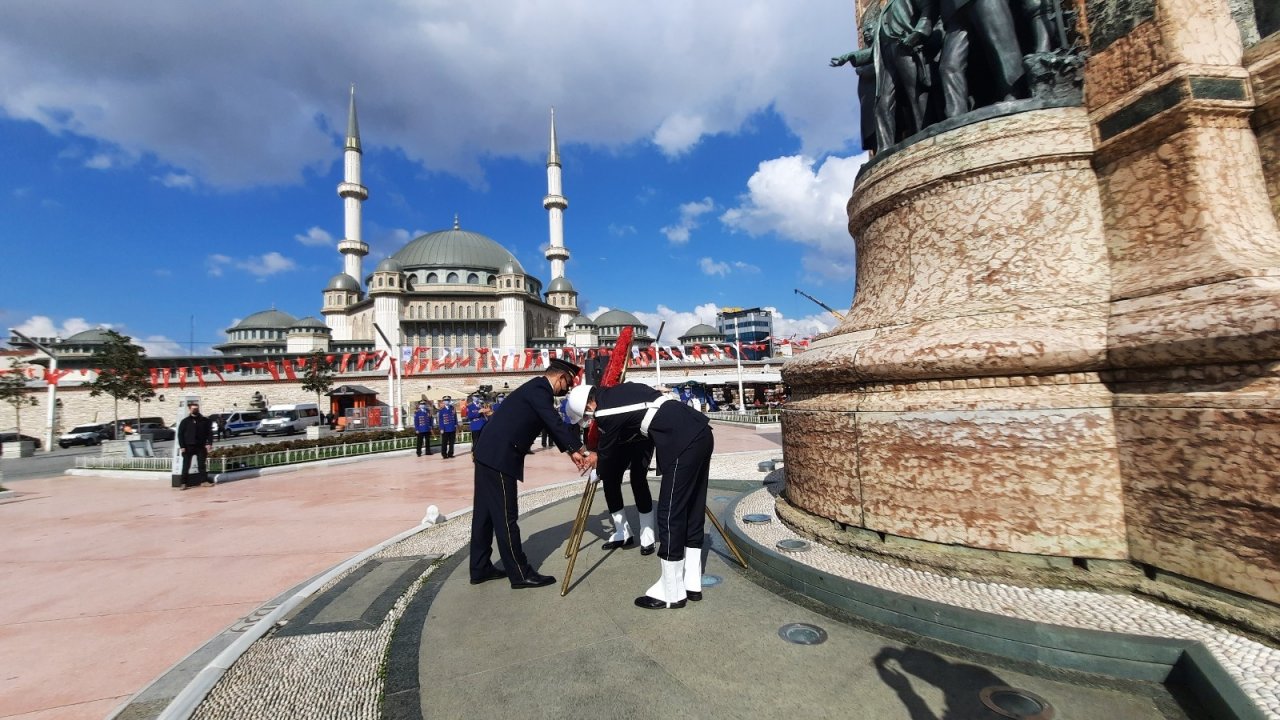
(422, 425)
(683, 442)
(448, 419)
(499, 462)
(632, 457)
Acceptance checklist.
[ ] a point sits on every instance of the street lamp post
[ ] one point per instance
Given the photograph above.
(52, 400)
(737, 338)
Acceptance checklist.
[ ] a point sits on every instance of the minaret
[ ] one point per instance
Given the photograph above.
(555, 203)
(352, 194)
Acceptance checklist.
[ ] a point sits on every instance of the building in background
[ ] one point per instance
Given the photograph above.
(752, 327)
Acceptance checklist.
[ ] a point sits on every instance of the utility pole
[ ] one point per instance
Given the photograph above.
(53, 389)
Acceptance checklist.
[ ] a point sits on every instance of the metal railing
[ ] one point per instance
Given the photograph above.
(262, 460)
(750, 418)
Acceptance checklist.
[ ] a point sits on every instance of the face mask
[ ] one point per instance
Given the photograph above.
(586, 418)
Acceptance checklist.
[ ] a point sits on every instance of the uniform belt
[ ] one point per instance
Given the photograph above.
(650, 410)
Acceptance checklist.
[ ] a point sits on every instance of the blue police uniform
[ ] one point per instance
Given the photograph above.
(448, 419)
(422, 423)
(475, 420)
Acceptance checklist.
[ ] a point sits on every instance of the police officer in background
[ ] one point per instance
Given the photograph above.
(683, 442)
(422, 425)
(448, 419)
(477, 415)
(499, 460)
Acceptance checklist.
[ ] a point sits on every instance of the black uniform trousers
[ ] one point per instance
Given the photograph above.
(494, 516)
(201, 454)
(424, 442)
(682, 498)
(446, 442)
(635, 457)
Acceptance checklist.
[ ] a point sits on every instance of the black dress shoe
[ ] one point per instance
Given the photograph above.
(615, 544)
(649, 603)
(492, 574)
(532, 580)
(648, 549)
(694, 595)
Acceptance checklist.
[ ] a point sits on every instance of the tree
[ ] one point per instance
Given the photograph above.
(318, 377)
(13, 390)
(121, 373)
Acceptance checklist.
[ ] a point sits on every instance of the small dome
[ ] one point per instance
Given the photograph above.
(582, 320)
(560, 285)
(94, 336)
(267, 319)
(511, 268)
(343, 281)
(620, 318)
(310, 323)
(702, 330)
(388, 265)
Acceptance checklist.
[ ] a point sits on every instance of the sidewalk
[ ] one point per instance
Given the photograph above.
(110, 582)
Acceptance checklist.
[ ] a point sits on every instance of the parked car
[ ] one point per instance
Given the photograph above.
(157, 431)
(13, 437)
(239, 422)
(84, 435)
(289, 419)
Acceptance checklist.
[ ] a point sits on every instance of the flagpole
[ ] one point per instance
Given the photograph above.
(737, 337)
(658, 350)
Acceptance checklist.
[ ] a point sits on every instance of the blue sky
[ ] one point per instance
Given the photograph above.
(175, 166)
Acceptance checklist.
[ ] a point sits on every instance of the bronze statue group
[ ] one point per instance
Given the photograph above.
(634, 422)
(925, 61)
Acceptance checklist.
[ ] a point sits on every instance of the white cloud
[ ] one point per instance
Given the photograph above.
(315, 237)
(745, 267)
(678, 133)
(689, 214)
(38, 326)
(679, 321)
(98, 162)
(234, 108)
(260, 266)
(786, 196)
(712, 267)
(176, 180)
(807, 326)
(160, 346)
(621, 230)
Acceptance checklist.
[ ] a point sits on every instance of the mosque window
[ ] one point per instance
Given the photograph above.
(492, 280)
(433, 278)
(508, 282)
(473, 279)
(468, 313)
(453, 278)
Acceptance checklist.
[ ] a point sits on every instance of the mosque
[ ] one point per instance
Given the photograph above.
(452, 290)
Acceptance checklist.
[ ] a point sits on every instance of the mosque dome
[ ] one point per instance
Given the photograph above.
(93, 336)
(343, 281)
(389, 265)
(455, 248)
(309, 323)
(702, 330)
(620, 318)
(266, 320)
(560, 285)
(582, 320)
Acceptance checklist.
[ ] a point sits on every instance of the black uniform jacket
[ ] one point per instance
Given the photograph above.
(195, 431)
(511, 430)
(672, 430)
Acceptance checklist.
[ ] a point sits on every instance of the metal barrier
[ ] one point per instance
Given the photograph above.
(261, 460)
(747, 418)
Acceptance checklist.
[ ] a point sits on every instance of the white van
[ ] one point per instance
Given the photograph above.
(289, 419)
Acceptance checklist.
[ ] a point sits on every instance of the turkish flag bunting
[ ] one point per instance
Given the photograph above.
(199, 375)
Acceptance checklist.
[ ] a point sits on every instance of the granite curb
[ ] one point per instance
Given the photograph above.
(1122, 655)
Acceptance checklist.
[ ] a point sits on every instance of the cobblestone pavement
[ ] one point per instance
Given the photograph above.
(1254, 666)
(337, 675)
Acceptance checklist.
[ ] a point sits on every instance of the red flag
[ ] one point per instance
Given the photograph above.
(214, 369)
(345, 358)
(155, 377)
(164, 376)
(53, 376)
(288, 370)
(182, 378)
(199, 375)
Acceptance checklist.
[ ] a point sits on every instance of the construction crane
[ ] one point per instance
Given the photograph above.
(824, 306)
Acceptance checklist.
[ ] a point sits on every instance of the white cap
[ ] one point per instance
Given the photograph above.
(576, 406)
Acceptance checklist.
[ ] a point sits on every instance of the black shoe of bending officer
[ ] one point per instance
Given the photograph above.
(492, 574)
(648, 549)
(532, 580)
(651, 603)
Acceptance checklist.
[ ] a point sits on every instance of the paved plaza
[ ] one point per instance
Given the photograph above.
(116, 581)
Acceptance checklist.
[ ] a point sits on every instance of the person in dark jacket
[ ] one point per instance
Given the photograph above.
(499, 463)
(631, 459)
(422, 425)
(195, 438)
(448, 419)
(683, 443)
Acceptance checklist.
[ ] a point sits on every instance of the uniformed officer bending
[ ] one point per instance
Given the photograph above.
(499, 458)
(632, 458)
(683, 443)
